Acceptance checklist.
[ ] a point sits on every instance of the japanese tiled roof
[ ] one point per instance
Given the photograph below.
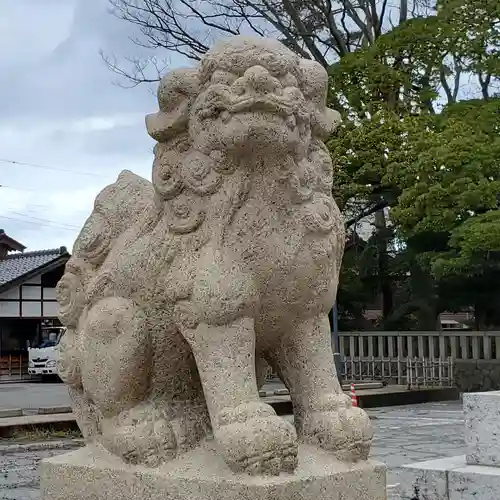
(16, 265)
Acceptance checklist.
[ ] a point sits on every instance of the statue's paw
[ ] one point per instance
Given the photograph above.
(343, 429)
(141, 442)
(260, 444)
(191, 427)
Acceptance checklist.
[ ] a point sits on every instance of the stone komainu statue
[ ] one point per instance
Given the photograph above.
(180, 292)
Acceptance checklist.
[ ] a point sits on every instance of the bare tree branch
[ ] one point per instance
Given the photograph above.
(307, 37)
(270, 14)
(458, 75)
(327, 10)
(134, 77)
(323, 30)
(354, 16)
(366, 212)
(205, 21)
(445, 85)
(381, 18)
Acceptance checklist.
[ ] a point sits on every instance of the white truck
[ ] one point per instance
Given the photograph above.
(42, 359)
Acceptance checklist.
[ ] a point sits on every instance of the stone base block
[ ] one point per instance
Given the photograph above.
(91, 473)
(448, 479)
(481, 410)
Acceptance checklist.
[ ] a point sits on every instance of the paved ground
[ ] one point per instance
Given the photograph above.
(32, 395)
(403, 434)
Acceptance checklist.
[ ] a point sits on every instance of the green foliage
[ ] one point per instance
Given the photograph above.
(354, 293)
(421, 134)
(449, 201)
(361, 153)
(475, 29)
(451, 169)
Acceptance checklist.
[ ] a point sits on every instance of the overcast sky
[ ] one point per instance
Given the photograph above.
(60, 109)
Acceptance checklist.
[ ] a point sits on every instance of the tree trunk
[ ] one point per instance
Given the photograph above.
(479, 317)
(385, 281)
(422, 285)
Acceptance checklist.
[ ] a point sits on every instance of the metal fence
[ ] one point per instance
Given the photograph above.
(410, 372)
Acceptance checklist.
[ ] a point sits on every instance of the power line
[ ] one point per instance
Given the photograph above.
(72, 226)
(57, 169)
(18, 189)
(39, 224)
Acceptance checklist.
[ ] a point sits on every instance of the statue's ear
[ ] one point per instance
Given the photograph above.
(314, 86)
(176, 93)
(163, 126)
(324, 122)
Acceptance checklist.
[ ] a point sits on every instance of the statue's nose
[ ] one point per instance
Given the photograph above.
(260, 80)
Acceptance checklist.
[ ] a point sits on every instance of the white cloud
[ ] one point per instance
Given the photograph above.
(59, 108)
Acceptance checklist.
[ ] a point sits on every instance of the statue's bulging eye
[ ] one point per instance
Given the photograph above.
(223, 77)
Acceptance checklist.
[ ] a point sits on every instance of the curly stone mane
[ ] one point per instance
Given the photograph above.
(187, 174)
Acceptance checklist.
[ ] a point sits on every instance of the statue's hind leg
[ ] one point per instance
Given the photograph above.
(176, 387)
(119, 375)
(324, 415)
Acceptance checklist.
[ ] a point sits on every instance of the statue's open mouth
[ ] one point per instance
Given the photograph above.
(265, 104)
(225, 105)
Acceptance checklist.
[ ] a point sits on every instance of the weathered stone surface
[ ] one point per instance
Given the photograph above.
(474, 482)
(180, 293)
(477, 375)
(482, 428)
(475, 475)
(448, 479)
(426, 480)
(93, 474)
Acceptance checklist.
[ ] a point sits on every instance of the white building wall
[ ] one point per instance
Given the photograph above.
(31, 309)
(9, 309)
(12, 293)
(49, 293)
(32, 292)
(50, 309)
(25, 301)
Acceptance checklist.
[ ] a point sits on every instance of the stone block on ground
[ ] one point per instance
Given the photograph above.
(427, 480)
(474, 482)
(448, 479)
(482, 428)
(92, 473)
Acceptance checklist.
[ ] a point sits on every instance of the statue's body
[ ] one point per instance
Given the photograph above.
(178, 293)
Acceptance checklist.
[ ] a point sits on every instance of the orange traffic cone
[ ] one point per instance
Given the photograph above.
(354, 398)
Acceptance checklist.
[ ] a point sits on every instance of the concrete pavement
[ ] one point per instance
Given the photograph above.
(29, 396)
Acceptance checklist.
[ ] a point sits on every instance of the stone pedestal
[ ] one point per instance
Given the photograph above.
(91, 473)
(474, 476)
(482, 428)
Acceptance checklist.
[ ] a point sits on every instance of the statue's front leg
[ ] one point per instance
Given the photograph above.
(249, 434)
(324, 415)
